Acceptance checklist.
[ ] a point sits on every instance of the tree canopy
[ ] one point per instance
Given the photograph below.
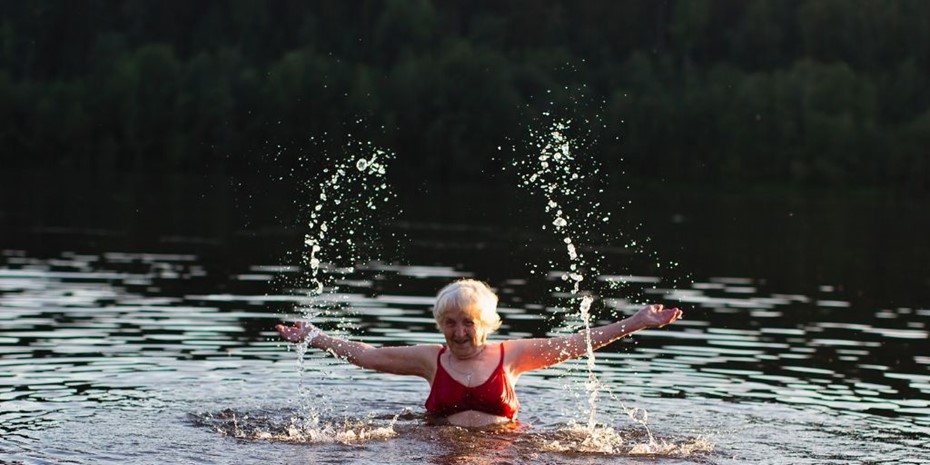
(786, 91)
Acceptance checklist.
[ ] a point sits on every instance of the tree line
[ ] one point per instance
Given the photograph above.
(783, 91)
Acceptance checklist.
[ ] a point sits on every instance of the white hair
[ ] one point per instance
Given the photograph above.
(464, 293)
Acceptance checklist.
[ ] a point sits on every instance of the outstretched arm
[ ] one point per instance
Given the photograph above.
(417, 360)
(533, 354)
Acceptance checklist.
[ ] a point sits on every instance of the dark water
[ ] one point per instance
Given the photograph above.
(137, 328)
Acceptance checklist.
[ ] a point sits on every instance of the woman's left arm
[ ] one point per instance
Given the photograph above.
(534, 354)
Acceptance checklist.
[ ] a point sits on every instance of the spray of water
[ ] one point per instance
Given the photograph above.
(342, 220)
(557, 170)
(273, 426)
(609, 441)
(554, 172)
(352, 199)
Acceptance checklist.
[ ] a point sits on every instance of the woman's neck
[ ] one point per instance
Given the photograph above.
(471, 356)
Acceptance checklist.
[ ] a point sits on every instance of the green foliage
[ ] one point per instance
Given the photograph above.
(798, 91)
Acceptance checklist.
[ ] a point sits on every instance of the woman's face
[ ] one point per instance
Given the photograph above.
(465, 334)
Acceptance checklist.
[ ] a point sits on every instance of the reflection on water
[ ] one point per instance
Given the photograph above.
(113, 357)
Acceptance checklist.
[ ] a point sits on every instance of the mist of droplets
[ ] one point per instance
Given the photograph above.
(554, 171)
(350, 201)
(343, 219)
(566, 178)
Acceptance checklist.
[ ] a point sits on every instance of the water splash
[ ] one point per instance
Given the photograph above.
(296, 428)
(342, 221)
(560, 175)
(341, 233)
(606, 440)
(555, 172)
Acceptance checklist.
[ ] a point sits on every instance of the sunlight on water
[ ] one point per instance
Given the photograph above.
(82, 342)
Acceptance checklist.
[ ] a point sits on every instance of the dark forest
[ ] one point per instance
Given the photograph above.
(787, 92)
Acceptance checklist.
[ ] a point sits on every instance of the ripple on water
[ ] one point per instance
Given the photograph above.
(82, 343)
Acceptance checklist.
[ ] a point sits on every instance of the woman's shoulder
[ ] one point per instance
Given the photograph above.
(426, 349)
(519, 354)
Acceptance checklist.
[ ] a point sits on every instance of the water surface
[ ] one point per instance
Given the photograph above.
(162, 350)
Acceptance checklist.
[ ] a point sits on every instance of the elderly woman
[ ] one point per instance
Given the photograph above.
(471, 379)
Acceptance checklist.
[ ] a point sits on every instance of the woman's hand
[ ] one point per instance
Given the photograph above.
(655, 316)
(298, 332)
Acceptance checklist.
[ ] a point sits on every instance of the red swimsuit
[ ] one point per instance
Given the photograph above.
(495, 396)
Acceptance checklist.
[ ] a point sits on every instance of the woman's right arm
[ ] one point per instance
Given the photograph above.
(417, 360)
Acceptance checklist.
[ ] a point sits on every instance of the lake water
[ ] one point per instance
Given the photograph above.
(132, 338)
